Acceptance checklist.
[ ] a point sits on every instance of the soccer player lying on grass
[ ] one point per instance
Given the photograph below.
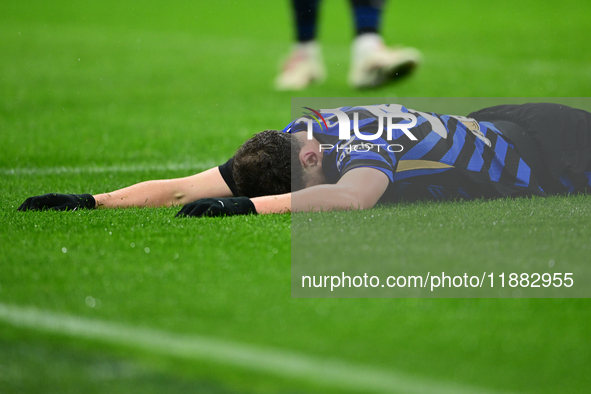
(355, 157)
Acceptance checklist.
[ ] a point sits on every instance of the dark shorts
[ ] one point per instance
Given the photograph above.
(562, 138)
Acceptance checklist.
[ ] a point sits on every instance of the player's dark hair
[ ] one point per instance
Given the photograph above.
(263, 164)
(298, 180)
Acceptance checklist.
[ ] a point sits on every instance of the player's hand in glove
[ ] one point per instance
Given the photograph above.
(212, 207)
(58, 202)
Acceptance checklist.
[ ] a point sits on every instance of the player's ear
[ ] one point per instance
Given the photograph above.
(309, 158)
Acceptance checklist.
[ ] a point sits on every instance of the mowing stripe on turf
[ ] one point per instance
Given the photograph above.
(334, 373)
(107, 169)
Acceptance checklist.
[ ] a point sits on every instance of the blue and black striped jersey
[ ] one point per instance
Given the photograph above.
(425, 155)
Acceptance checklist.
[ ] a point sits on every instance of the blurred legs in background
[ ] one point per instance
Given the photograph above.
(304, 65)
(372, 63)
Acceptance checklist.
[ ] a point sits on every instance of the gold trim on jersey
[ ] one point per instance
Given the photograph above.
(407, 165)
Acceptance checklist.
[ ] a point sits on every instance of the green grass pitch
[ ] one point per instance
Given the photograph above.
(97, 95)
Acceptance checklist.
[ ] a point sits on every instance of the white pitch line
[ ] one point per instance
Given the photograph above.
(107, 169)
(287, 364)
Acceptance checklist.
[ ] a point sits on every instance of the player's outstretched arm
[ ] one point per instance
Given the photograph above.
(166, 192)
(360, 188)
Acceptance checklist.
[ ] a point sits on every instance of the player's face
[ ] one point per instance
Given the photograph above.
(315, 177)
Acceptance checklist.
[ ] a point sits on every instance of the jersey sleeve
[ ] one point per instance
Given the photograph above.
(227, 174)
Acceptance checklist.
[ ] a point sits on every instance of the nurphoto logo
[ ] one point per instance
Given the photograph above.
(385, 114)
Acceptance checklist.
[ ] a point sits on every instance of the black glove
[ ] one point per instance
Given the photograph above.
(218, 207)
(58, 202)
